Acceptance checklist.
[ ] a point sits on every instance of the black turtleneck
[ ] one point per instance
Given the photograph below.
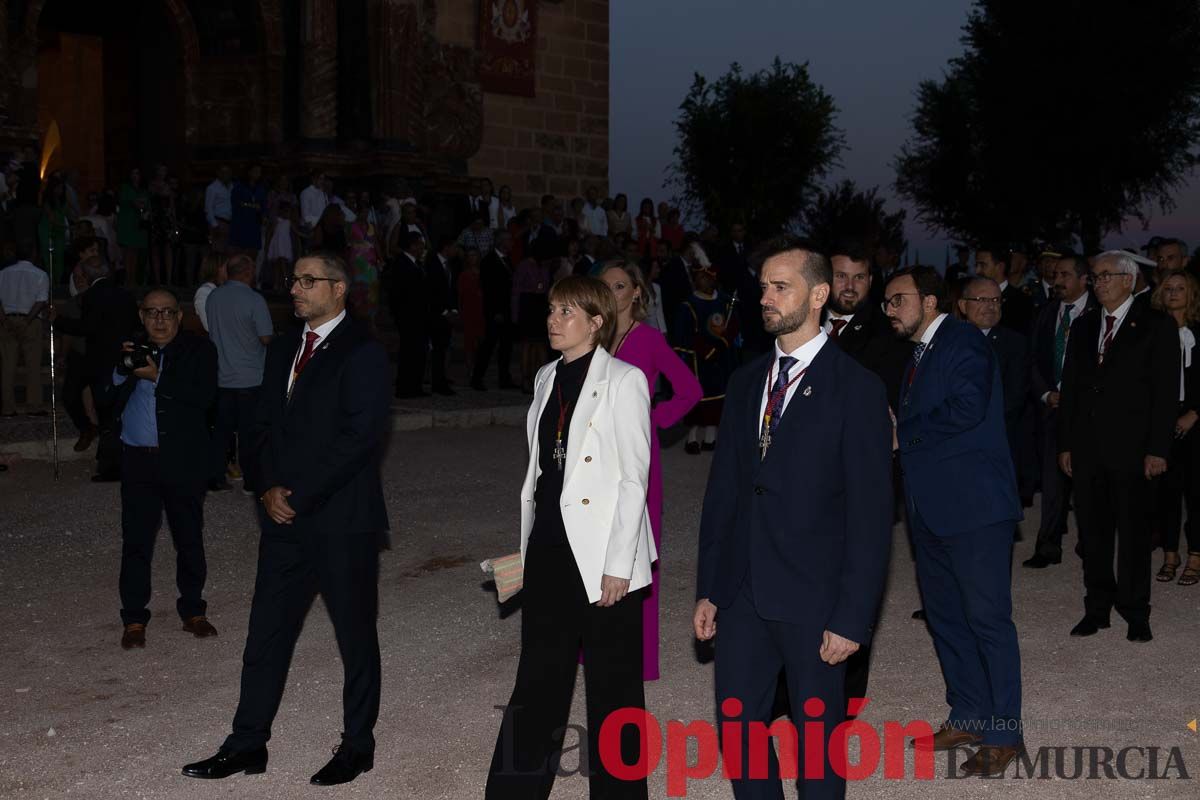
(548, 524)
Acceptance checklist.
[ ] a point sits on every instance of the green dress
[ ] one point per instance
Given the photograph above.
(131, 231)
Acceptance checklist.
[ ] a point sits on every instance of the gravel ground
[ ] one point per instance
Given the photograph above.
(82, 718)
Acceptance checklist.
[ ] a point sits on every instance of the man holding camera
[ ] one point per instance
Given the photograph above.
(163, 386)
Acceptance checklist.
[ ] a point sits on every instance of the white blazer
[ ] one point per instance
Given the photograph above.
(606, 473)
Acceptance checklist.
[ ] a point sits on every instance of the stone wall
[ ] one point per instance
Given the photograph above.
(556, 141)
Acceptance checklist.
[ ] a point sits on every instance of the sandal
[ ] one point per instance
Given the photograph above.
(1191, 575)
(1166, 573)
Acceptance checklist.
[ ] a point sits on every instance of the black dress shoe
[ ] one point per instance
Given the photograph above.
(227, 762)
(1089, 627)
(1039, 561)
(106, 477)
(692, 448)
(1139, 632)
(708, 446)
(345, 766)
(919, 614)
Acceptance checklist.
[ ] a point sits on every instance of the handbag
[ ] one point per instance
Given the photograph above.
(508, 572)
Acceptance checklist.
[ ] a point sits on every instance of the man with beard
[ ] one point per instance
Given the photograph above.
(857, 326)
(796, 528)
(961, 497)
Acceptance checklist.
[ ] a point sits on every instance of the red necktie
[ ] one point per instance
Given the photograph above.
(1109, 321)
(837, 325)
(310, 339)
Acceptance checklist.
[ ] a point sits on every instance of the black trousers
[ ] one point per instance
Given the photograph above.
(497, 337)
(1179, 485)
(1112, 507)
(439, 341)
(75, 381)
(108, 447)
(292, 567)
(145, 494)
(410, 363)
(235, 416)
(1056, 493)
(556, 618)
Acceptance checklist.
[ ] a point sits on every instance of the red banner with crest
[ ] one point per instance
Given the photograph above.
(508, 44)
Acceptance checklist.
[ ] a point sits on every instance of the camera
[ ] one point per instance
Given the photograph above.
(138, 357)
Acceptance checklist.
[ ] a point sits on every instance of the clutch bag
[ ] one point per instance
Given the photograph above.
(508, 572)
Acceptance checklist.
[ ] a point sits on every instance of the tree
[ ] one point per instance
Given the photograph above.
(1064, 117)
(844, 212)
(752, 147)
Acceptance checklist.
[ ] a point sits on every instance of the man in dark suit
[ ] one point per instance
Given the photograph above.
(496, 276)
(962, 503)
(322, 421)
(857, 325)
(980, 305)
(410, 312)
(676, 281)
(1051, 331)
(733, 258)
(992, 262)
(441, 307)
(1120, 395)
(108, 317)
(162, 402)
(794, 587)
(586, 263)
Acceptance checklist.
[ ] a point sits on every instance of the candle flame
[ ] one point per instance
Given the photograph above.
(49, 145)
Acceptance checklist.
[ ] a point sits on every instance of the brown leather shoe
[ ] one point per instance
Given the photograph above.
(199, 627)
(134, 636)
(990, 761)
(947, 738)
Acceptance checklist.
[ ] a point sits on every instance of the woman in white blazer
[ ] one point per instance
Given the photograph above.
(586, 547)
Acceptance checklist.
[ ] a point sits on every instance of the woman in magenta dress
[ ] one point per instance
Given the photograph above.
(639, 344)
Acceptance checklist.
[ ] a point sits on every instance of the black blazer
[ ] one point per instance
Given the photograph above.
(676, 283)
(812, 522)
(496, 278)
(439, 286)
(324, 444)
(1012, 351)
(1116, 413)
(1191, 375)
(870, 340)
(1018, 310)
(187, 389)
(1045, 328)
(108, 317)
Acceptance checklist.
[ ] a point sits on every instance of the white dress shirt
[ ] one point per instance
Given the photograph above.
(828, 326)
(804, 355)
(321, 331)
(1120, 312)
(927, 336)
(312, 205)
(218, 205)
(22, 286)
(596, 219)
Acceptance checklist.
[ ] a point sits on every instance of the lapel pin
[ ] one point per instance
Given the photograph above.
(858, 327)
(807, 391)
(594, 393)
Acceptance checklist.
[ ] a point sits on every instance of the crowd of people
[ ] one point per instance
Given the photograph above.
(1029, 369)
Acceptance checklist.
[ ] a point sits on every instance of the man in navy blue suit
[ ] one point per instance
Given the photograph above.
(796, 530)
(962, 504)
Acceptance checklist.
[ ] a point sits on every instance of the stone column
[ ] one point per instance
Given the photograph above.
(319, 70)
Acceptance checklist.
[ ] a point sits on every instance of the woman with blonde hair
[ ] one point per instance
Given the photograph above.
(638, 343)
(1179, 296)
(586, 548)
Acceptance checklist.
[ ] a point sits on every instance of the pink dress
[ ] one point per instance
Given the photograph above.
(647, 349)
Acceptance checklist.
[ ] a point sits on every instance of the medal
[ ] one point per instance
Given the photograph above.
(560, 452)
(774, 400)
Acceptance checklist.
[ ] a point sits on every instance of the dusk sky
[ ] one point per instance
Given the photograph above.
(869, 54)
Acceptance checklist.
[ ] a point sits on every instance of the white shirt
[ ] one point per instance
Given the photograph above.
(804, 355)
(1119, 313)
(218, 205)
(1003, 286)
(22, 286)
(1048, 288)
(321, 331)
(595, 218)
(347, 214)
(312, 205)
(201, 299)
(828, 326)
(927, 336)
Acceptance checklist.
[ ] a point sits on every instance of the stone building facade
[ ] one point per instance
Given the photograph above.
(357, 87)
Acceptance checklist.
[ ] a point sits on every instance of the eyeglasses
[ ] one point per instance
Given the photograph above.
(1105, 277)
(161, 313)
(896, 300)
(987, 301)
(307, 281)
